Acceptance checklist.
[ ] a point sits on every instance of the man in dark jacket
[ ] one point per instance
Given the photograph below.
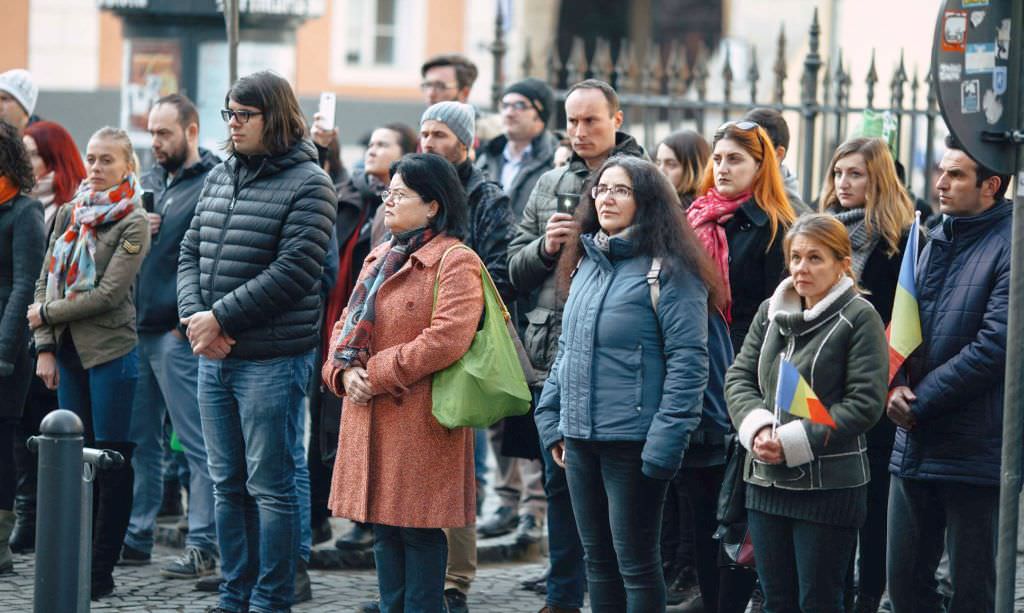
(167, 367)
(948, 398)
(447, 129)
(249, 279)
(593, 118)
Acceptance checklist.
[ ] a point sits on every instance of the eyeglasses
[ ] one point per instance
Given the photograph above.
(739, 125)
(518, 105)
(619, 191)
(438, 86)
(242, 116)
(395, 195)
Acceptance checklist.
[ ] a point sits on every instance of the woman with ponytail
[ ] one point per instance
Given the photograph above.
(84, 322)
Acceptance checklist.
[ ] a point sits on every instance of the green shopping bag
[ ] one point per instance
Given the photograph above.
(487, 384)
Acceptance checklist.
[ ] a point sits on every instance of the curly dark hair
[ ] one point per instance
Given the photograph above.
(14, 162)
(662, 229)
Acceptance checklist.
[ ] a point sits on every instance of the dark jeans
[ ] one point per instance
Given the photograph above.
(8, 475)
(871, 542)
(802, 565)
(567, 578)
(101, 396)
(702, 484)
(926, 517)
(618, 513)
(411, 564)
(735, 586)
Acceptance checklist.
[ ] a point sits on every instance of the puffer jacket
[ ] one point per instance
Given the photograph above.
(957, 374)
(839, 347)
(156, 295)
(255, 251)
(623, 371)
(531, 269)
(542, 158)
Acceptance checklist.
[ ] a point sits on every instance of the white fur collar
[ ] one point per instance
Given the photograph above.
(786, 300)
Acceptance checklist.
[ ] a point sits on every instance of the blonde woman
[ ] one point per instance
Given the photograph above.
(863, 192)
(84, 322)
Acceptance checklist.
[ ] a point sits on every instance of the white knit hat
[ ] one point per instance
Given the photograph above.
(18, 83)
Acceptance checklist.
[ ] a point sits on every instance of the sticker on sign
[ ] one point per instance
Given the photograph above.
(954, 29)
(950, 72)
(979, 58)
(970, 101)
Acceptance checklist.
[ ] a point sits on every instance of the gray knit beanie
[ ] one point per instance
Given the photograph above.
(459, 117)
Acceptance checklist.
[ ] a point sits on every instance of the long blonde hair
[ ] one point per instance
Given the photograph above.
(888, 210)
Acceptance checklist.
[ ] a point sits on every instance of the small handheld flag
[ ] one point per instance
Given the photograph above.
(904, 331)
(795, 396)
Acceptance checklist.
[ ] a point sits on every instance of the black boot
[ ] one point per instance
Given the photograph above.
(23, 538)
(113, 509)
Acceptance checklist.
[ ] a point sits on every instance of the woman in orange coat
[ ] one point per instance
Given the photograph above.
(397, 467)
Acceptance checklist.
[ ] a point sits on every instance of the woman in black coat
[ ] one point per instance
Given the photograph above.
(22, 243)
(863, 191)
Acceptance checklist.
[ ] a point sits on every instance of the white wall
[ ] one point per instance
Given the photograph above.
(64, 44)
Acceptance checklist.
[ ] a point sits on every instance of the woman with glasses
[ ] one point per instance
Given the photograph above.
(625, 392)
(84, 322)
(681, 157)
(22, 242)
(397, 468)
(809, 382)
(740, 217)
(863, 191)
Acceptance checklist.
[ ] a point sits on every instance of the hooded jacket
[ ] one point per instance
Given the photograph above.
(531, 269)
(255, 250)
(156, 293)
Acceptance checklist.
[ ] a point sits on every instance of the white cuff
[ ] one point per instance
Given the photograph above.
(795, 444)
(752, 424)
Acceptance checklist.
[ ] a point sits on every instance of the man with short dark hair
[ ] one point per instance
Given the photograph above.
(167, 367)
(948, 398)
(775, 125)
(593, 119)
(448, 77)
(249, 278)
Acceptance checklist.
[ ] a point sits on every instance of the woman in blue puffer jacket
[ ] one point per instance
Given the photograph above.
(627, 386)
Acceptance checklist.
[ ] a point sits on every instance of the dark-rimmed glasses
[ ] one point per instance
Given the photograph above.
(241, 116)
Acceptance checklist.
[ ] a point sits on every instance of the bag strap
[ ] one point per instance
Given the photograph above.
(485, 277)
(653, 283)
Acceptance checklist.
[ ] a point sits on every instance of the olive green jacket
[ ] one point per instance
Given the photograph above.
(102, 320)
(839, 347)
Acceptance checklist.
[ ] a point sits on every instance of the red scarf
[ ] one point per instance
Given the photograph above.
(708, 215)
(8, 190)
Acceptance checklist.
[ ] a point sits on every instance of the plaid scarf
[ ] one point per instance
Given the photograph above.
(708, 215)
(72, 267)
(354, 347)
(862, 244)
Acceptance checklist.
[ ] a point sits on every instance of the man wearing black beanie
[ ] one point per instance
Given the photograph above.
(525, 150)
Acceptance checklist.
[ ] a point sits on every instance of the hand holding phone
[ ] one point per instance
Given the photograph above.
(326, 111)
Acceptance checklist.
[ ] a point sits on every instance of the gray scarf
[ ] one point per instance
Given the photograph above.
(862, 243)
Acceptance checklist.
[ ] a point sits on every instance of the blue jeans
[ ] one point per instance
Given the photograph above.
(802, 565)
(168, 382)
(302, 481)
(567, 577)
(410, 568)
(248, 410)
(926, 517)
(618, 513)
(101, 396)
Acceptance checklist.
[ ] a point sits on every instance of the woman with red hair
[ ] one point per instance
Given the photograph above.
(56, 163)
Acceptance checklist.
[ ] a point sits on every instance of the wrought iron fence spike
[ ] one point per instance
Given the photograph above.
(779, 68)
(554, 67)
(753, 75)
(527, 66)
(871, 80)
(576, 67)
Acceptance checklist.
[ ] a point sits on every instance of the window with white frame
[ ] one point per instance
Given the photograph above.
(371, 32)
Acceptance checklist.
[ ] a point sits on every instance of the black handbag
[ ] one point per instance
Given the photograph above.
(733, 535)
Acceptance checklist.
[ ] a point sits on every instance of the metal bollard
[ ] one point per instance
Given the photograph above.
(58, 512)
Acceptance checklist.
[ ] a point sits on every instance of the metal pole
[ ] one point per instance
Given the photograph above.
(498, 49)
(812, 63)
(1013, 429)
(85, 543)
(58, 512)
(231, 22)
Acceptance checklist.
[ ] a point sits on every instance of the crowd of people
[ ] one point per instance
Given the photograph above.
(198, 314)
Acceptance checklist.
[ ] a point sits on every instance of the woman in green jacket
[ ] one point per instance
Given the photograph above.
(84, 322)
(806, 481)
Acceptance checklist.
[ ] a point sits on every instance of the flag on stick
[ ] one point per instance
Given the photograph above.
(795, 396)
(904, 331)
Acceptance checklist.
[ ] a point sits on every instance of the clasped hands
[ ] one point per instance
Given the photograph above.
(206, 336)
(357, 384)
(767, 447)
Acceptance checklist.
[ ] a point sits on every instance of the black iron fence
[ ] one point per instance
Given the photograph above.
(661, 90)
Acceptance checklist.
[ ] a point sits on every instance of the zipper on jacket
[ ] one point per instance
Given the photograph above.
(223, 233)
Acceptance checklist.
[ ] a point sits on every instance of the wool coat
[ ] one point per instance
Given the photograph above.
(396, 465)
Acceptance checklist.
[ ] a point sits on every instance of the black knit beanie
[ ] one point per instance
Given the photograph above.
(537, 92)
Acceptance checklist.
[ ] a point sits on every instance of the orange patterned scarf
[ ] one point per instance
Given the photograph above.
(8, 190)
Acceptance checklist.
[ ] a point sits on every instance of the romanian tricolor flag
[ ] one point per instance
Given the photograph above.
(795, 396)
(904, 331)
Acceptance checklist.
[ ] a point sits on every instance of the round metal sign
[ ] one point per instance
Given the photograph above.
(970, 68)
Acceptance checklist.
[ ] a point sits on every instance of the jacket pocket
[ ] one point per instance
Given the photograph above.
(538, 340)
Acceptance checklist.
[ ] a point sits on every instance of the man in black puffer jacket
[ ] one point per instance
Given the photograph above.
(249, 293)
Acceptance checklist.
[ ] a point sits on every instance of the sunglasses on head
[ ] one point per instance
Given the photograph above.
(739, 125)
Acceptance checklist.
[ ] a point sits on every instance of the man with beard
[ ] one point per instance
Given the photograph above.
(167, 367)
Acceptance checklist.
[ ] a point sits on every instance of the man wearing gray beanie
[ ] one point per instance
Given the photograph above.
(447, 129)
(18, 95)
